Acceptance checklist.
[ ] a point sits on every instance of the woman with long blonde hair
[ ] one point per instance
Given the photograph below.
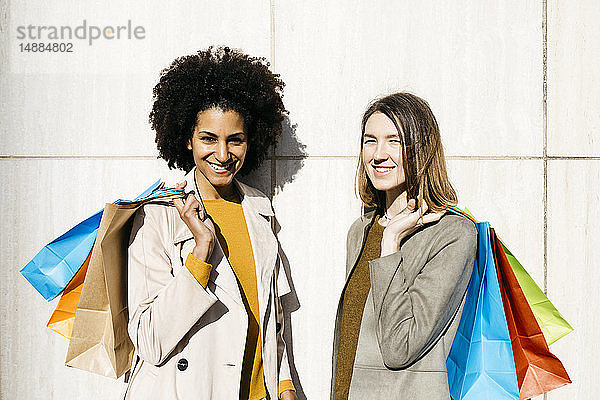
(408, 262)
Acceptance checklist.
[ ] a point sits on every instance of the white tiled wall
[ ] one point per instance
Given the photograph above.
(315, 212)
(573, 273)
(507, 194)
(74, 134)
(96, 100)
(42, 198)
(573, 83)
(478, 63)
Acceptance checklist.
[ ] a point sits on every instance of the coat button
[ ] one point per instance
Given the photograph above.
(182, 364)
(278, 327)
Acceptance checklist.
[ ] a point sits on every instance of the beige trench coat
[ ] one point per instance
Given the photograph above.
(189, 341)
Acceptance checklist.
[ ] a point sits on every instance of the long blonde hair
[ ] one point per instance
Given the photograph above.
(422, 153)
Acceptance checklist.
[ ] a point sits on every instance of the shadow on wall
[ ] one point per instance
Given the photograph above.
(289, 304)
(270, 178)
(287, 173)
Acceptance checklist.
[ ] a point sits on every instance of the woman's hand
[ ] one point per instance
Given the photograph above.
(403, 224)
(288, 395)
(193, 214)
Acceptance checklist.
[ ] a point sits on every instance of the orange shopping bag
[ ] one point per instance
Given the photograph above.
(61, 320)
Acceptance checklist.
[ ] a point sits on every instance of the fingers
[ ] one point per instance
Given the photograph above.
(421, 213)
(409, 211)
(417, 217)
(405, 224)
(424, 206)
(432, 217)
(178, 201)
(192, 207)
(412, 210)
(422, 218)
(189, 206)
(410, 207)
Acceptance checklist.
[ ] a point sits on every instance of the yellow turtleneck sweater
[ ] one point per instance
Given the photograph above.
(233, 236)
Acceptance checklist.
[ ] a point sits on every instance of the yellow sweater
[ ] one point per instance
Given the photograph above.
(233, 236)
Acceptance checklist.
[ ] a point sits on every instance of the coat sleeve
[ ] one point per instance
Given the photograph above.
(284, 368)
(281, 288)
(411, 318)
(163, 306)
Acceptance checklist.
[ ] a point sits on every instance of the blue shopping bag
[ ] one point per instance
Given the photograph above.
(481, 364)
(55, 265)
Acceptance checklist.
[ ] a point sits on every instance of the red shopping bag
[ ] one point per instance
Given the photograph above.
(538, 370)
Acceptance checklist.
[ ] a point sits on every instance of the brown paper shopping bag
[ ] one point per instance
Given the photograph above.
(99, 339)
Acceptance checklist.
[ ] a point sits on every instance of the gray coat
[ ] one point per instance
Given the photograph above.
(412, 311)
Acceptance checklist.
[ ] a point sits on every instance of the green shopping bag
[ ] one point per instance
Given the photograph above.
(553, 324)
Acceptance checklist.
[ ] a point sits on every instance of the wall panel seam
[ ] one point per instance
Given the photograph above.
(298, 157)
(545, 133)
(545, 136)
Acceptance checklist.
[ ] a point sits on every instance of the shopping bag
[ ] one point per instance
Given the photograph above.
(552, 323)
(480, 364)
(99, 340)
(538, 370)
(56, 264)
(61, 320)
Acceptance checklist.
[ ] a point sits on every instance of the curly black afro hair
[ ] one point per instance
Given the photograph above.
(223, 78)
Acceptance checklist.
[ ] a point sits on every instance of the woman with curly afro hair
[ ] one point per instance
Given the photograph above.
(205, 316)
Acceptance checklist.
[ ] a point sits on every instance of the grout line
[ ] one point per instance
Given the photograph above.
(545, 135)
(272, 155)
(544, 157)
(276, 157)
(573, 158)
(493, 157)
(296, 157)
(77, 157)
(545, 138)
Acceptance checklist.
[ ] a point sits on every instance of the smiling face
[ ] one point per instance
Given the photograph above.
(219, 145)
(382, 154)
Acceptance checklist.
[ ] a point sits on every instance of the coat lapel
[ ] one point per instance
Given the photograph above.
(258, 212)
(357, 241)
(222, 274)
